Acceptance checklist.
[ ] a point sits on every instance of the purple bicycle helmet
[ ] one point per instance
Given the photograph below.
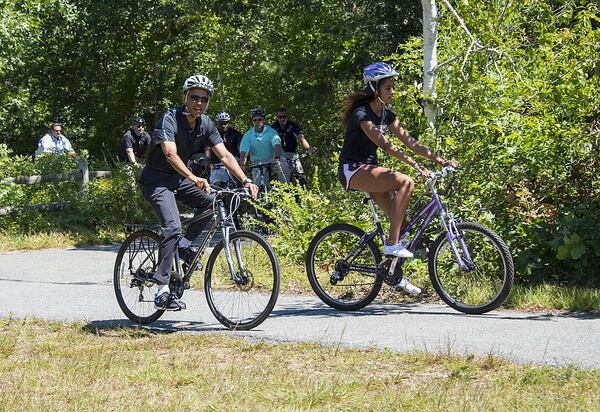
(377, 71)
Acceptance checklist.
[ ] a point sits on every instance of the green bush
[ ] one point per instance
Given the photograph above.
(103, 205)
(300, 213)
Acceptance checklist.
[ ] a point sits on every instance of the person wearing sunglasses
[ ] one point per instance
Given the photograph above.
(54, 142)
(262, 145)
(166, 179)
(367, 118)
(134, 143)
(290, 133)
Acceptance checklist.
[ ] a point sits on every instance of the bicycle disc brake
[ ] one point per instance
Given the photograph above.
(244, 280)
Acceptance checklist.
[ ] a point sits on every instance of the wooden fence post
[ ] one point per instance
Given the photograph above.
(85, 172)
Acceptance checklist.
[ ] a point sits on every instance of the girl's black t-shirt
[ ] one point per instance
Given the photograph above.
(357, 145)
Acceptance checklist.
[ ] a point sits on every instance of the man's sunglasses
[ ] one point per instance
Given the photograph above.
(282, 116)
(196, 98)
(57, 130)
(257, 120)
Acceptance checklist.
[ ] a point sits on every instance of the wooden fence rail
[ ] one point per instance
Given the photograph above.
(84, 174)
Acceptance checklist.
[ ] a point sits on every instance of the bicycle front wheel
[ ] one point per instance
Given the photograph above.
(244, 298)
(136, 263)
(488, 277)
(342, 274)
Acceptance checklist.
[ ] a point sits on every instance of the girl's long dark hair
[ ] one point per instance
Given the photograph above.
(354, 100)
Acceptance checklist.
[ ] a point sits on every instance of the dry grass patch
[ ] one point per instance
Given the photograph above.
(55, 366)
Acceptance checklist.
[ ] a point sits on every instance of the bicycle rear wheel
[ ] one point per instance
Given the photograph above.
(245, 299)
(136, 263)
(488, 280)
(335, 276)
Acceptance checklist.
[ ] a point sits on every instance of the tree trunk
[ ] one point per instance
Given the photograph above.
(430, 30)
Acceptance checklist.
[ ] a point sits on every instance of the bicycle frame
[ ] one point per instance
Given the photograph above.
(220, 220)
(426, 214)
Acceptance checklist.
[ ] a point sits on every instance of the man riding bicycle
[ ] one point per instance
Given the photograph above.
(262, 144)
(219, 175)
(290, 132)
(166, 179)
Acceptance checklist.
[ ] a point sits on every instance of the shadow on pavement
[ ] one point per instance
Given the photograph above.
(113, 247)
(99, 327)
(306, 309)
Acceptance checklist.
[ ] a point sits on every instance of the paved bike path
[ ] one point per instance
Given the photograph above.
(76, 284)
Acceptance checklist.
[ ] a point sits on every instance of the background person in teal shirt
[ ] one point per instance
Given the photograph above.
(263, 146)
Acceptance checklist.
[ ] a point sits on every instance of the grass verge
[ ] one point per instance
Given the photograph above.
(555, 297)
(10, 242)
(56, 366)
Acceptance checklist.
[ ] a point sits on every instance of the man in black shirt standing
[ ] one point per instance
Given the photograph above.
(135, 142)
(219, 175)
(166, 179)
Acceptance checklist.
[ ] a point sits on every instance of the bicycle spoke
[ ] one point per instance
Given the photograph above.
(485, 279)
(136, 262)
(340, 271)
(242, 299)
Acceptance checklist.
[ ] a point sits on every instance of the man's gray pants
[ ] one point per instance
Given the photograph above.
(163, 190)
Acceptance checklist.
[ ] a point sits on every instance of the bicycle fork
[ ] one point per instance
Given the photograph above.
(454, 236)
(236, 276)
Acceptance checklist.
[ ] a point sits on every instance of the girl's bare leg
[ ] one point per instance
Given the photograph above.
(390, 190)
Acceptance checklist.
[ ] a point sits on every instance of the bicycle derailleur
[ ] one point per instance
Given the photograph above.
(341, 269)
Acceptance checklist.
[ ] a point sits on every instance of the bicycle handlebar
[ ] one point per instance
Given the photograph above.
(220, 191)
(441, 173)
(268, 164)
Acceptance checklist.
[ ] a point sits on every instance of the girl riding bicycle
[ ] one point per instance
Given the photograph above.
(366, 118)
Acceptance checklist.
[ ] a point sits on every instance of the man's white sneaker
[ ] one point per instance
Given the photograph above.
(408, 287)
(397, 250)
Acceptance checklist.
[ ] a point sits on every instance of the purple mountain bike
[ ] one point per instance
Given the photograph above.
(470, 266)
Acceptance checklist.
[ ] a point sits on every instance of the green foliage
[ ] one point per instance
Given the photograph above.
(521, 118)
(104, 204)
(300, 213)
(523, 122)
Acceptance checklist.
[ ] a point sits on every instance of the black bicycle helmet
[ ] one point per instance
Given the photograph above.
(258, 112)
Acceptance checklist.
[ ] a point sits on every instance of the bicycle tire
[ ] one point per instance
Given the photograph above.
(135, 296)
(328, 248)
(258, 284)
(481, 289)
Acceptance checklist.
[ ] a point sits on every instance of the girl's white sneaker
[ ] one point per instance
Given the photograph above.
(408, 287)
(397, 250)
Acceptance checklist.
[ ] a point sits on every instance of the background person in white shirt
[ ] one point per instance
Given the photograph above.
(54, 142)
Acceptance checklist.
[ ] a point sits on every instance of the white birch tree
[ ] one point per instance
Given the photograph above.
(430, 32)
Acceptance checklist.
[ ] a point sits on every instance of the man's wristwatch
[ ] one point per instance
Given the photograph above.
(246, 181)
